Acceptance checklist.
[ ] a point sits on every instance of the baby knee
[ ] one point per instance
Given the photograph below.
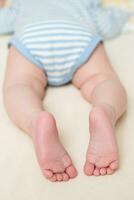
(96, 79)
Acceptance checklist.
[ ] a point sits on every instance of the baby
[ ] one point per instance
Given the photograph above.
(55, 43)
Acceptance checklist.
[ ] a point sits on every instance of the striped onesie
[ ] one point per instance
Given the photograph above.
(57, 36)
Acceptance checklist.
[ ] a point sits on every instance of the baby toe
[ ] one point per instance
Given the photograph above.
(88, 168)
(114, 165)
(109, 171)
(103, 171)
(59, 177)
(53, 178)
(96, 172)
(71, 171)
(48, 173)
(65, 177)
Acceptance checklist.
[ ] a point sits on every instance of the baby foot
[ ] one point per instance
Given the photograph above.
(53, 159)
(102, 154)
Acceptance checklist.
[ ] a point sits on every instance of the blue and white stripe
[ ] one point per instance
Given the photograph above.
(57, 47)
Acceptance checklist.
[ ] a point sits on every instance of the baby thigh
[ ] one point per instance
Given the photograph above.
(24, 89)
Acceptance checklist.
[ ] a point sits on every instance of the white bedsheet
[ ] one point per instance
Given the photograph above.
(20, 176)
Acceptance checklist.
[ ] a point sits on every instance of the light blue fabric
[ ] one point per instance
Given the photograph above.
(59, 36)
(8, 16)
(57, 47)
(108, 22)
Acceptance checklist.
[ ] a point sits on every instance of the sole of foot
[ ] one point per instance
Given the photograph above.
(102, 153)
(54, 161)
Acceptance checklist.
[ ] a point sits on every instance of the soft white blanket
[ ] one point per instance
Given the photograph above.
(20, 176)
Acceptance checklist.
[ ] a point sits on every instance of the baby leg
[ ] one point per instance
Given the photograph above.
(100, 86)
(24, 89)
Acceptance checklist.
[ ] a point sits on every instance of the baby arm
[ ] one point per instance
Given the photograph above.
(109, 22)
(7, 17)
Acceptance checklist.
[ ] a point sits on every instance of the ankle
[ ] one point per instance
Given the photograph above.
(33, 123)
(110, 111)
(37, 118)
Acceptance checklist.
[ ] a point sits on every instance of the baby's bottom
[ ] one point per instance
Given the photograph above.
(24, 90)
